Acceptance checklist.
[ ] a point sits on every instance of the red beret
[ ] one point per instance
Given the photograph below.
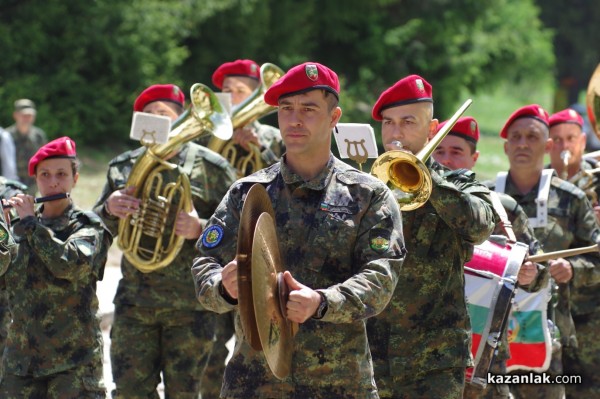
(529, 111)
(169, 93)
(566, 116)
(411, 89)
(465, 127)
(63, 147)
(247, 68)
(302, 78)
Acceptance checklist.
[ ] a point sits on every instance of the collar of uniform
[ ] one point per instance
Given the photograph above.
(319, 182)
(511, 189)
(57, 223)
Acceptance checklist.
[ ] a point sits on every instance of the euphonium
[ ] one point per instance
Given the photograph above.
(147, 237)
(248, 111)
(406, 174)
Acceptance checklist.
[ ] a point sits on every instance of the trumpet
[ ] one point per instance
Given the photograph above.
(406, 174)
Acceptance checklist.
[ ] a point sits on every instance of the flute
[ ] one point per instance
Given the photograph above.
(39, 200)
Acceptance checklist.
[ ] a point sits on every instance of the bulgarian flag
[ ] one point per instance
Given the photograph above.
(528, 333)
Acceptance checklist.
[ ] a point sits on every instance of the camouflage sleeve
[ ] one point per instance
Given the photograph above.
(378, 254)
(7, 245)
(586, 267)
(111, 222)
(464, 205)
(217, 246)
(73, 259)
(271, 144)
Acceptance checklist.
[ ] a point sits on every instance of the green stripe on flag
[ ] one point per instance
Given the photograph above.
(479, 315)
(529, 328)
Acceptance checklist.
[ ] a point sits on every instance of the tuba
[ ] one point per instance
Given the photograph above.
(248, 111)
(147, 237)
(406, 174)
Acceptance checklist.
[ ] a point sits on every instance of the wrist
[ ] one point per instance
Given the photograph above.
(322, 308)
(107, 210)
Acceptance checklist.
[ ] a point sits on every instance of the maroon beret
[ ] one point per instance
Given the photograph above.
(529, 111)
(566, 116)
(169, 93)
(63, 147)
(303, 78)
(411, 89)
(247, 68)
(465, 127)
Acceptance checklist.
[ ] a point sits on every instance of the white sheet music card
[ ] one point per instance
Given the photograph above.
(149, 128)
(225, 100)
(356, 141)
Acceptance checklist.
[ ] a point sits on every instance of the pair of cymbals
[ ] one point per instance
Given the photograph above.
(262, 292)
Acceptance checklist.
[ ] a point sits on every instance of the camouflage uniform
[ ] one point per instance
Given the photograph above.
(8, 189)
(589, 184)
(571, 224)
(54, 345)
(327, 229)
(271, 150)
(26, 145)
(524, 234)
(421, 342)
(159, 326)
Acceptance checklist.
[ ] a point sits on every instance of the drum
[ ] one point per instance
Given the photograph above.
(490, 283)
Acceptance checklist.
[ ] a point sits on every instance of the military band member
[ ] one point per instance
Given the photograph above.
(420, 342)
(8, 189)
(566, 132)
(458, 150)
(240, 78)
(54, 344)
(340, 238)
(159, 326)
(562, 218)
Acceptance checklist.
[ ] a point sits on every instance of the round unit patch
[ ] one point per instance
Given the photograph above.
(212, 236)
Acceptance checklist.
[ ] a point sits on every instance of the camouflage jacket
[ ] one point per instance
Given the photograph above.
(590, 184)
(426, 325)
(571, 224)
(170, 287)
(51, 286)
(330, 231)
(26, 145)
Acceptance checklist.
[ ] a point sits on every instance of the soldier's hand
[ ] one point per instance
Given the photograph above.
(527, 273)
(188, 225)
(560, 270)
(229, 279)
(122, 203)
(23, 205)
(303, 301)
(245, 136)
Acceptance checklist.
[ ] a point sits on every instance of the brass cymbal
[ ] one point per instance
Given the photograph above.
(257, 202)
(270, 295)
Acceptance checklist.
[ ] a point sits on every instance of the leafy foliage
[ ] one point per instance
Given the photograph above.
(84, 61)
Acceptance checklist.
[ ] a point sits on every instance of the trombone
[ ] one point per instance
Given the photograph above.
(406, 174)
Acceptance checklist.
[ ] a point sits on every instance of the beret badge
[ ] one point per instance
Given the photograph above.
(311, 72)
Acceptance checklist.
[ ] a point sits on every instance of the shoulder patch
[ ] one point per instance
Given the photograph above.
(212, 236)
(379, 240)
